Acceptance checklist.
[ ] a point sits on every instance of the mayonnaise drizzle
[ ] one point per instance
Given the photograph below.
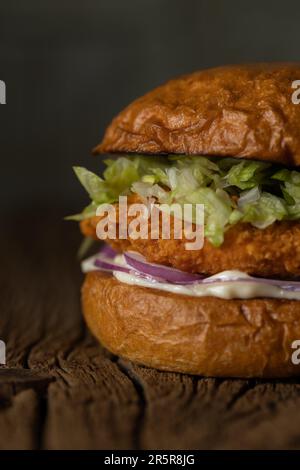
(223, 290)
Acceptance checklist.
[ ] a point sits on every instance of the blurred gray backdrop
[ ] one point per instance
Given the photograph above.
(71, 65)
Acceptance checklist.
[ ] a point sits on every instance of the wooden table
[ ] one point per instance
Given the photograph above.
(61, 390)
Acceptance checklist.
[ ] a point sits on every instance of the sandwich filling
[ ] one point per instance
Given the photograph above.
(225, 285)
(232, 191)
(251, 222)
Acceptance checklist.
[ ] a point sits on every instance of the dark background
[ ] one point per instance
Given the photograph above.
(71, 65)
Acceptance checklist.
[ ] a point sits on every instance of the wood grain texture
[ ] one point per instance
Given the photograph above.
(61, 390)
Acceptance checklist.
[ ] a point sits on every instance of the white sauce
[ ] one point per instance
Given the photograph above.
(230, 289)
(223, 290)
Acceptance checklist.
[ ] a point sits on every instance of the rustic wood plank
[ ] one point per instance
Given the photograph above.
(88, 401)
(19, 422)
(92, 405)
(200, 413)
(61, 390)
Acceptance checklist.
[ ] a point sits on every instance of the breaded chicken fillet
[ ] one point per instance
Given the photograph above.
(271, 252)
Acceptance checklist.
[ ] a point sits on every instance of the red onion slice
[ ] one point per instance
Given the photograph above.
(165, 273)
(138, 266)
(111, 266)
(100, 262)
(175, 276)
(108, 252)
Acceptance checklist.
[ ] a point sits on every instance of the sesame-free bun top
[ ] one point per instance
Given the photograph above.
(240, 111)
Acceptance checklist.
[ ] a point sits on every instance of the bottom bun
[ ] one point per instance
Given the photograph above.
(206, 336)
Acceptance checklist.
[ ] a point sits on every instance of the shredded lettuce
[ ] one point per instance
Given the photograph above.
(232, 191)
(246, 175)
(215, 202)
(265, 211)
(118, 178)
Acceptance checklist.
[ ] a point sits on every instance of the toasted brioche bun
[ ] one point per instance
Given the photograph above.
(206, 336)
(240, 111)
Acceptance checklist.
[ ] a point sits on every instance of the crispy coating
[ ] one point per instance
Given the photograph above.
(271, 252)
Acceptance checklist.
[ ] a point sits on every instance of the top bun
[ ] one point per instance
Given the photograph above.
(239, 111)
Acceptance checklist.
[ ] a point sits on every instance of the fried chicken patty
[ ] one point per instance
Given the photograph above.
(270, 252)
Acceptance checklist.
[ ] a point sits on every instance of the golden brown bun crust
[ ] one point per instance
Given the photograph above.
(206, 336)
(240, 111)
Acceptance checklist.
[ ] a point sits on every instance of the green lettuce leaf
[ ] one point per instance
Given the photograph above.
(217, 211)
(118, 178)
(267, 193)
(246, 174)
(265, 211)
(93, 184)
